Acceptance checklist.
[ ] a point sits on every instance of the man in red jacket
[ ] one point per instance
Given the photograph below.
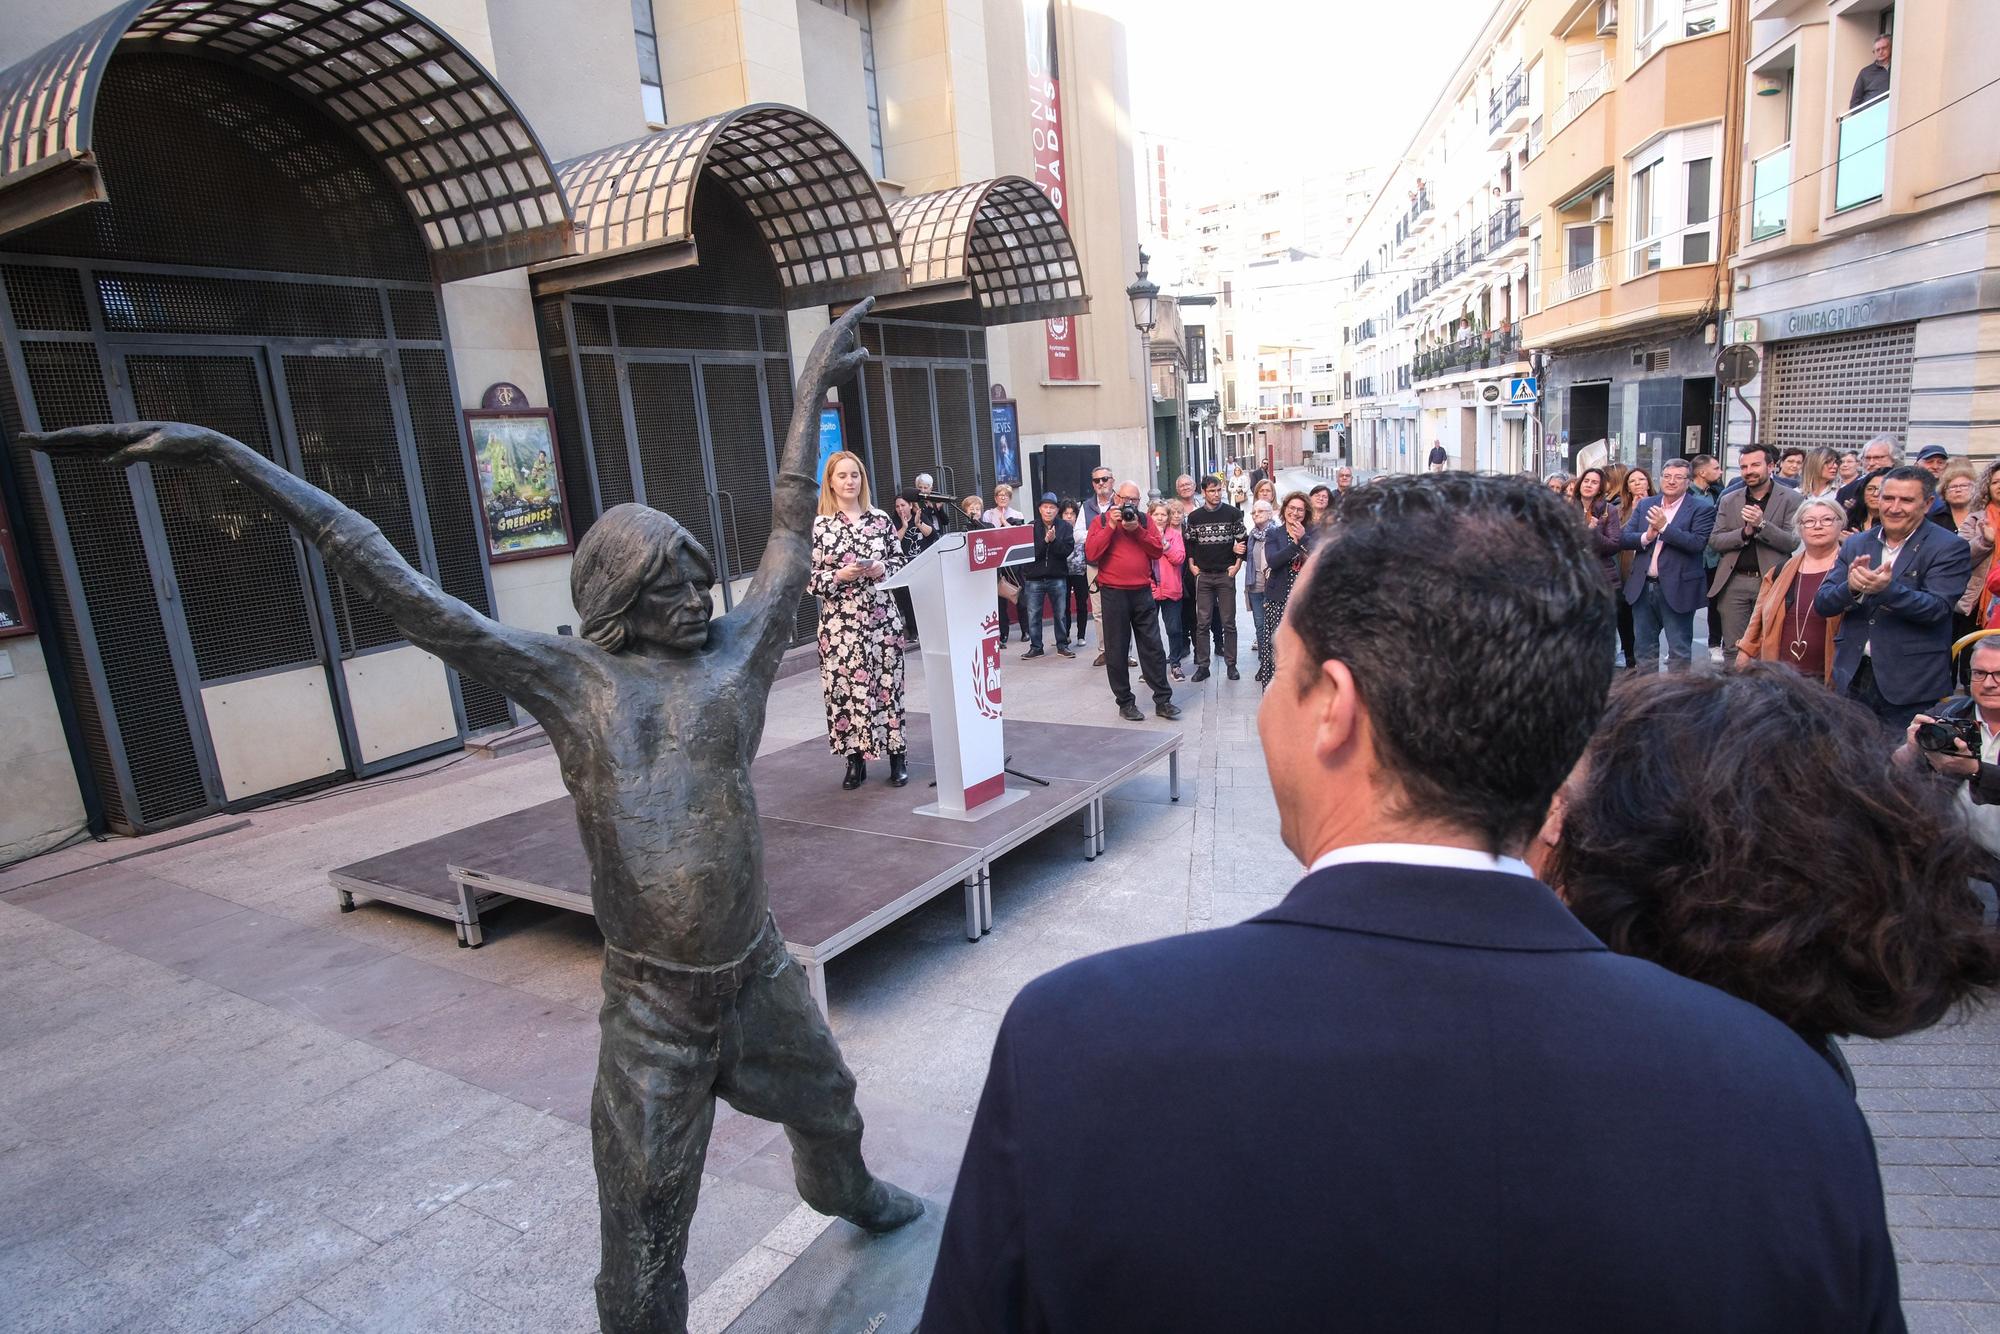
(1123, 544)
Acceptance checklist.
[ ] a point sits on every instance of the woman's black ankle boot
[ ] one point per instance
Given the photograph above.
(899, 770)
(857, 773)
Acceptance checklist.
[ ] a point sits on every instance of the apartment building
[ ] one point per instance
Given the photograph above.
(1867, 273)
(332, 227)
(1632, 174)
(1440, 277)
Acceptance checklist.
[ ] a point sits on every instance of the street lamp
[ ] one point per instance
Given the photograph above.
(1145, 299)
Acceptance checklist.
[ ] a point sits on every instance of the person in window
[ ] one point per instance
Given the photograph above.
(1873, 81)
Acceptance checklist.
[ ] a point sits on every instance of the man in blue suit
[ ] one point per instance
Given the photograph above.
(1417, 1095)
(1897, 584)
(1669, 578)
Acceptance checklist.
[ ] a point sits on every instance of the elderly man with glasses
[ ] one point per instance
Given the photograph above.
(1096, 503)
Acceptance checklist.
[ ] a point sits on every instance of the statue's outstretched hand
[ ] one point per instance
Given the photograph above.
(127, 443)
(837, 353)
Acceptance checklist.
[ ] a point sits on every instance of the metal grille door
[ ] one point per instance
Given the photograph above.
(914, 428)
(1841, 390)
(955, 408)
(739, 446)
(669, 435)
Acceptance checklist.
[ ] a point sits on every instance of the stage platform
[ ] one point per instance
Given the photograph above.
(840, 865)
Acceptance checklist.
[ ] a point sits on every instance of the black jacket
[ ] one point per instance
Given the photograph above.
(1051, 558)
(1407, 1098)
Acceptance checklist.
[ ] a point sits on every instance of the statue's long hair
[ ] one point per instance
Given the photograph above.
(625, 552)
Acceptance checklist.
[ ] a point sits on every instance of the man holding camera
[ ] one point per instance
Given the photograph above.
(1964, 743)
(1121, 546)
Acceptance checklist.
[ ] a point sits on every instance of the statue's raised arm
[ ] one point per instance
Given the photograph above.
(519, 662)
(781, 574)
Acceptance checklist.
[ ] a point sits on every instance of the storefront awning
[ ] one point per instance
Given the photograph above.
(817, 207)
(1000, 243)
(474, 175)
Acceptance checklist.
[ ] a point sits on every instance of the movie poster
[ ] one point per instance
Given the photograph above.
(520, 489)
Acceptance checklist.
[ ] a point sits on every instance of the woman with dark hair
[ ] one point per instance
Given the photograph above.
(1320, 501)
(1865, 510)
(1077, 574)
(1629, 487)
(913, 534)
(1832, 891)
(1286, 547)
(1603, 519)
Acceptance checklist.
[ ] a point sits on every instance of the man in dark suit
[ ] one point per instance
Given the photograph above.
(1668, 581)
(1417, 1095)
(1896, 584)
(1756, 531)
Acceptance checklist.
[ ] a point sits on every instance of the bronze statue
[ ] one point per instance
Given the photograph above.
(655, 714)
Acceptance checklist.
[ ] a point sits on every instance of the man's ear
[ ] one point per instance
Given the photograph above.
(1334, 706)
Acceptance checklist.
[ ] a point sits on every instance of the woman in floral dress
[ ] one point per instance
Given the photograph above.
(854, 548)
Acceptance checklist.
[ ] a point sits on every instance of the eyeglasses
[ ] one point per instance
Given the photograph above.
(1991, 678)
(1101, 481)
(1824, 521)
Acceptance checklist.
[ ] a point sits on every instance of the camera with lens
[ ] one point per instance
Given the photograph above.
(1955, 720)
(1128, 512)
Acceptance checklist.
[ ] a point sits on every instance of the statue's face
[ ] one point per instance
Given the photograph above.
(673, 612)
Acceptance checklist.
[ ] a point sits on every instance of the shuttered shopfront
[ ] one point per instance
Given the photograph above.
(1838, 390)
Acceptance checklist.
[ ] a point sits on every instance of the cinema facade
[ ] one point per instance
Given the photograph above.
(482, 278)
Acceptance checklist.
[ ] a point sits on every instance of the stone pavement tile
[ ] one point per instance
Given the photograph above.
(538, 1184)
(1944, 1244)
(87, 1304)
(546, 1285)
(1963, 1076)
(1933, 1318)
(1970, 1212)
(731, 1293)
(298, 1317)
(260, 955)
(508, 1042)
(64, 1191)
(1948, 1099)
(1983, 1318)
(1981, 1152)
(289, 1257)
(1969, 1180)
(40, 1265)
(395, 1279)
(1925, 1151)
(364, 1002)
(936, 1057)
(796, 1230)
(1946, 1282)
(735, 1138)
(730, 1217)
(393, 1192)
(1913, 1180)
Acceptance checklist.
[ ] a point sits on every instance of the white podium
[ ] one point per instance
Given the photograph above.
(953, 591)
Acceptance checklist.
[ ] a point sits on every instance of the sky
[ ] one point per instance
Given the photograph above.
(1277, 86)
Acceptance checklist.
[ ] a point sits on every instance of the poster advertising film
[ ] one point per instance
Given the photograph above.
(1006, 442)
(1045, 129)
(520, 490)
(831, 438)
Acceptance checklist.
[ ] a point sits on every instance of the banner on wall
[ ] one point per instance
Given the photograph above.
(1045, 129)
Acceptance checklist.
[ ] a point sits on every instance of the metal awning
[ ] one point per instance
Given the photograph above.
(816, 206)
(1000, 243)
(474, 175)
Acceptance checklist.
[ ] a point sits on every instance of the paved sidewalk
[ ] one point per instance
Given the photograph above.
(228, 1106)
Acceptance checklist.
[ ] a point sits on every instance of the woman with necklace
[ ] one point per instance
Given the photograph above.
(1784, 627)
(854, 548)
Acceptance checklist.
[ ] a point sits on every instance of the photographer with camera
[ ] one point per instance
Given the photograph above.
(1121, 546)
(1961, 739)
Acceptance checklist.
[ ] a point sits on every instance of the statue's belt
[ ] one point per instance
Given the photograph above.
(713, 979)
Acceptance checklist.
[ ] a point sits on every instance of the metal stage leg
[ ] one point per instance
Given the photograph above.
(985, 898)
(1174, 774)
(816, 983)
(1099, 803)
(345, 898)
(469, 934)
(973, 914)
(1090, 830)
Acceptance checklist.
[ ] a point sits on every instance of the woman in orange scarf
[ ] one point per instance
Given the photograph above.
(1785, 627)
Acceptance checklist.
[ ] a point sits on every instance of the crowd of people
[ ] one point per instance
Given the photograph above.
(1547, 1037)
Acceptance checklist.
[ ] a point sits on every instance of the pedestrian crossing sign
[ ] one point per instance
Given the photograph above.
(1522, 389)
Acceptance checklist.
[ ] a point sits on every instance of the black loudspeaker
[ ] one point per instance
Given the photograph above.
(1063, 469)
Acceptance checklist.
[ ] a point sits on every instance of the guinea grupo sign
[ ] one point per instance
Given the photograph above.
(1045, 130)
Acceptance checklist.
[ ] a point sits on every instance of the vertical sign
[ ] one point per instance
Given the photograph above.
(831, 439)
(1045, 129)
(1006, 442)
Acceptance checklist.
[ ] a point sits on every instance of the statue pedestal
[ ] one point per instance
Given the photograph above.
(852, 1282)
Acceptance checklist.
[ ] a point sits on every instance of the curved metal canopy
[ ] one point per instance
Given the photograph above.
(1001, 243)
(474, 175)
(816, 206)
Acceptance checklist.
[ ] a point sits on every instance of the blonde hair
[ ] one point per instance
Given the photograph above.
(827, 504)
(1956, 469)
(1157, 506)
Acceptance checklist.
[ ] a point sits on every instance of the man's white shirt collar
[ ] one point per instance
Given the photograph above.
(1422, 854)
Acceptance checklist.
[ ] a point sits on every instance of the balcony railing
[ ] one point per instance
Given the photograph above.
(1864, 155)
(1580, 281)
(1505, 98)
(1503, 226)
(1770, 193)
(1581, 98)
(1503, 346)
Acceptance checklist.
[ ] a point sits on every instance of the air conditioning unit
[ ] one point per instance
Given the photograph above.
(1607, 17)
(1657, 361)
(1600, 205)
